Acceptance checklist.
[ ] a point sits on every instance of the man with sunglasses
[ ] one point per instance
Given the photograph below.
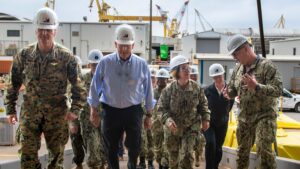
(121, 83)
(257, 82)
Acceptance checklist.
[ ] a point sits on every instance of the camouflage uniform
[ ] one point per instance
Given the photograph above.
(91, 135)
(45, 78)
(77, 143)
(186, 107)
(257, 118)
(146, 144)
(158, 133)
(199, 146)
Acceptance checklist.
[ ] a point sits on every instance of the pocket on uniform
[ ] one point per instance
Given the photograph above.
(266, 131)
(29, 70)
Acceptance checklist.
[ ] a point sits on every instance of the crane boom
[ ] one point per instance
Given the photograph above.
(181, 13)
(202, 20)
(50, 4)
(173, 27)
(105, 17)
(280, 23)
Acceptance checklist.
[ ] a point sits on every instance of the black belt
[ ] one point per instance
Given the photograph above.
(106, 106)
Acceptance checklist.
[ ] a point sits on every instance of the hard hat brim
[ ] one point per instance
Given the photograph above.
(234, 49)
(217, 74)
(162, 77)
(121, 42)
(52, 27)
(94, 61)
(173, 68)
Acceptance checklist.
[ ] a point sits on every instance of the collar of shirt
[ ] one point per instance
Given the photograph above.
(219, 91)
(37, 53)
(120, 61)
(249, 69)
(188, 88)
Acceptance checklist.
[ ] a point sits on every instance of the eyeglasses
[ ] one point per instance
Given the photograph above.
(235, 53)
(186, 69)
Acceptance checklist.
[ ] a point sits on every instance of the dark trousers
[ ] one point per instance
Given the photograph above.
(115, 122)
(214, 137)
(78, 147)
(121, 146)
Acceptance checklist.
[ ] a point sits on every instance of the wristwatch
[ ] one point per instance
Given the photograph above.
(257, 87)
(149, 115)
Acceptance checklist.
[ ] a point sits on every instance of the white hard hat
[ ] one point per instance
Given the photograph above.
(78, 60)
(125, 34)
(153, 72)
(178, 60)
(95, 56)
(162, 73)
(235, 42)
(46, 18)
(194, 70)
(216, 69)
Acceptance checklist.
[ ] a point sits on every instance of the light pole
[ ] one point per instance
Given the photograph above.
(261, 29)
(150, 34)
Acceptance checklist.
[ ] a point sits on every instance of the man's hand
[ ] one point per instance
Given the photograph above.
(205, 125)
(73, 128)
(94, 117)
(249, 81)
(148, 123)
(172, 126)
(225, 93)
(12, 119)
(71, 116)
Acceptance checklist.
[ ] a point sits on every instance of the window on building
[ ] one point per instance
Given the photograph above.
(75, 33)
(294, 51)
(13, 33)
(273, 51)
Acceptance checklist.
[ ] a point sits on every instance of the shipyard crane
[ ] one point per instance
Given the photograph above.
(173, 27)
(50, 4)
(280, 23)
(163, 14)
(104, 16)
(202, 21)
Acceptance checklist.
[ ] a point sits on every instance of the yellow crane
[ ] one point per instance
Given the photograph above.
(105, 17)
(173, 29)
(50, 4)
(280, 23)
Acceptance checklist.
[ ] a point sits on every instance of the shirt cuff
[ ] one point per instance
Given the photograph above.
(75, 109)
(92, 102)
(168, 121)
(206, 117)
(11, 110)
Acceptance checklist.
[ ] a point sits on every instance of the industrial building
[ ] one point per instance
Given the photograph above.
(289, 46)
(79, 37)
(288, 66)
(215, 40)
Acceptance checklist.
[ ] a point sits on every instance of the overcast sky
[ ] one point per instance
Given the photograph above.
(219, 13)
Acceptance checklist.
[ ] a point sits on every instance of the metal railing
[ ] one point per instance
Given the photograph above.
(11, 47)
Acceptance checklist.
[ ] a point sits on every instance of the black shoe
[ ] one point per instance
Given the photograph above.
(165, 167)
(150, 164)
